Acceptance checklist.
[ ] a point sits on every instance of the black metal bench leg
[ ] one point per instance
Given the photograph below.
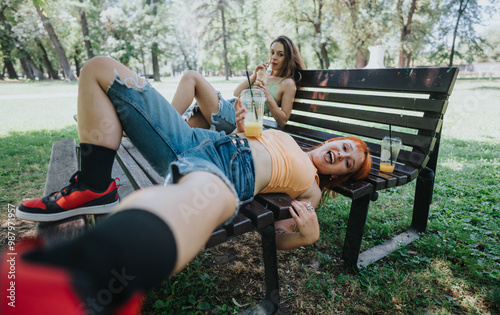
(423, 198)
(355, 230)
(270, 303)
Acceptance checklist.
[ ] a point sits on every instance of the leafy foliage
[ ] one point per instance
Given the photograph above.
(189, 35)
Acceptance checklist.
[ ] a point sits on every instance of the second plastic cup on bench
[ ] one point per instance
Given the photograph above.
(254, 101)
(389, 153)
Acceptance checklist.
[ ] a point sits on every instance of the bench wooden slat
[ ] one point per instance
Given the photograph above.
(400, 103)
(410, 172)
(377, 182)
(381, 180)
(126, 187)
(355, 190)
(408, 139)
(239, 226)
(401, 120)
(258, 214)
(133, 171)
(278, 203)
(218, 236)
(414, 80)
(62, 165)
(400, 178)
(414, 158)
(141, 161)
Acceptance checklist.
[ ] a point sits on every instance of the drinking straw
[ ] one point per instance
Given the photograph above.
(390, 142)
(249, 85)
(251, 94)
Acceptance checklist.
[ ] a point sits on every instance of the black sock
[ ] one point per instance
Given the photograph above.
(131, 251)
(96, 166)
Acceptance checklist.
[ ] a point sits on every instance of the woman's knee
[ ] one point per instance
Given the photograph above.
(191, 75)
(99, 69)
(96, 65)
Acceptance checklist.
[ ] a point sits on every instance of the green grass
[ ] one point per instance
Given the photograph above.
(454, 268)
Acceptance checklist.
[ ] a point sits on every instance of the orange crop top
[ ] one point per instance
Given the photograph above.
(292, 170)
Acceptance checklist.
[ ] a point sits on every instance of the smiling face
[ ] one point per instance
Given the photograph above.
(277, 56)
(337, 158)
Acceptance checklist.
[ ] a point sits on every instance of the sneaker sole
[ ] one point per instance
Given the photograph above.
(49, 217)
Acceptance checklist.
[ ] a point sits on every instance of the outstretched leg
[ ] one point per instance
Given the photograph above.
(192, 208)
(91, 190)
(156, 232)
(194, 86)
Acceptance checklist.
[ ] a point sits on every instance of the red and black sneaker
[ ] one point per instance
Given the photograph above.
(74, 199)
(32, 288)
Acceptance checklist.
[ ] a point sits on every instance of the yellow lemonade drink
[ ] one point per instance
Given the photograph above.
(253, 129)
(387, 167)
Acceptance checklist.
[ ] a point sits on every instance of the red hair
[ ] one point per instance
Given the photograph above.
(327, 183)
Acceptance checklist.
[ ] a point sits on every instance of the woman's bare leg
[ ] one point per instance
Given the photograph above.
(194, 86)
(192, 208)
(98, 122)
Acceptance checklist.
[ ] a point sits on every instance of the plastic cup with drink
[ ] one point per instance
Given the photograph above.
(389, 153)
(253, 100)
(263, 75)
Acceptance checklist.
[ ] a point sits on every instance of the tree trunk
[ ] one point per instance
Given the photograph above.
(35, 70)
(321, 64)
(26, 69)
(224, 40)
(10, 68)
(77, 62)
(143, 61)
(68, 73)
(185, 56)
(406, 30)
(156, 65)
(6, 43)
(460, 13)
(154, 48)
(324, 53)
(85, 33)
(360, 58)
(50, 70)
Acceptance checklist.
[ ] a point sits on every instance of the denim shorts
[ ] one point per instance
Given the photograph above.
(223, 120)
(175, 149)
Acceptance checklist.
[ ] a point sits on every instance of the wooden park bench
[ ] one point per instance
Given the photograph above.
(329, 103)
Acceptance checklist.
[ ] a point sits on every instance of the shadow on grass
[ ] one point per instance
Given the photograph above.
(24, 158)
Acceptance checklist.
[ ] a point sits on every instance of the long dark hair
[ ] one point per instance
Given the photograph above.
(293, 60)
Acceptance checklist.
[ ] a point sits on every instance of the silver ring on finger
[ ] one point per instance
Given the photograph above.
(310, 208)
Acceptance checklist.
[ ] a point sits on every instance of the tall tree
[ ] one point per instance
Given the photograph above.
(315, 17)
(50, 70)
(218, 24)
(466, 14)
(406, 21)
(68, 73)
(368, 22)
(154, 45)
(85, 31)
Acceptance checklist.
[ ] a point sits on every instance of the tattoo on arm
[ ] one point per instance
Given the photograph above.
(280, 232)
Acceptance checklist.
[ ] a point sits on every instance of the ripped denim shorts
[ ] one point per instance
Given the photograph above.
(223, 120)
(173, 148)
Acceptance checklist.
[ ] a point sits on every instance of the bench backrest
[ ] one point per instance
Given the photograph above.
(365, 102)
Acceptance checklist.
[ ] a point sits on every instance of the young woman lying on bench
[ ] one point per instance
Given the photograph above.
(155, 232)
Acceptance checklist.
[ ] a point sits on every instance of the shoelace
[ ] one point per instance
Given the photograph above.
(66, 190)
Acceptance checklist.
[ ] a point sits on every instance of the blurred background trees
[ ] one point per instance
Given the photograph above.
(53, 38)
